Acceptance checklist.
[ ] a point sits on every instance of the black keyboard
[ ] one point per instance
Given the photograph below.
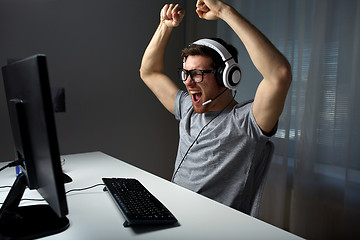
(136, 203)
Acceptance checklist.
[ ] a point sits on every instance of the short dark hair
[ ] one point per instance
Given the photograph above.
(194, 49)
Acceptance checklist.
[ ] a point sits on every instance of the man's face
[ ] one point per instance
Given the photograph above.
(205, 90)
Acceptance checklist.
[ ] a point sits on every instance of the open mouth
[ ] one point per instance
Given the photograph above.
(196, 96)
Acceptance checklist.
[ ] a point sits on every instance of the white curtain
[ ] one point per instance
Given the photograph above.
(313, 185)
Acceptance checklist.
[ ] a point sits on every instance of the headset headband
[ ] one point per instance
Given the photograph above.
(219, 48)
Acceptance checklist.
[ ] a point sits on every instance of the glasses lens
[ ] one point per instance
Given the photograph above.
(196, 75)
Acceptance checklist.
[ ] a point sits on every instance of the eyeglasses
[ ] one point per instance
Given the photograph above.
(196, 75)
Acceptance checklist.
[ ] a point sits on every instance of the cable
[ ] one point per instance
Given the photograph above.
(12, 164)
(86, 188)
(69, 191)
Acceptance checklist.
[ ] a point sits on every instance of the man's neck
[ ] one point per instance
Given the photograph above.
(224, 101)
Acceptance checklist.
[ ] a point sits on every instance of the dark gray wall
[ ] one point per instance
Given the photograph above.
(94, 49)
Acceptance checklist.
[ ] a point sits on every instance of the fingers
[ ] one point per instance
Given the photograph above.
(208, 9)
(201, 6)
(169, 10)
(172, 13)
(200, 13)
(199, 2)
(163, 13)
(178, 13)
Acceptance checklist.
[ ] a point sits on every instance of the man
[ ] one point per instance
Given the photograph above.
(222, 143)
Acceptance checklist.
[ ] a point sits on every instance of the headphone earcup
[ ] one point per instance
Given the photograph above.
(182, 75)
(228, 76)
(233, 76)
(219, 76)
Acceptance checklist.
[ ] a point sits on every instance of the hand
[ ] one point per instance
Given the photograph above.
(209, 9)
(172, 15)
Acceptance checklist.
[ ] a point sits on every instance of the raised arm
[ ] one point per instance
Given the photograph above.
(275, 69)
(152, 65)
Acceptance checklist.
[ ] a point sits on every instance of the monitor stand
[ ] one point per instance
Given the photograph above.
(27, 222)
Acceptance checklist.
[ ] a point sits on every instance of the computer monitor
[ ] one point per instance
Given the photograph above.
(33, 126)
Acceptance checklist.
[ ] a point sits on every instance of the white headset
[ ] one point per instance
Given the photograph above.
(229, 75)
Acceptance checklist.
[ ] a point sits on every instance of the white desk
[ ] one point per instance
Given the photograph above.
(93, 214)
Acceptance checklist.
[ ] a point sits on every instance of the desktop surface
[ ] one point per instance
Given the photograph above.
(94, 215)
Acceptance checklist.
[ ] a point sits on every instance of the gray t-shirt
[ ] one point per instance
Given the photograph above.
(222, 162)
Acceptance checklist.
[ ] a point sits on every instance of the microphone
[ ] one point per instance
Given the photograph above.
(209, 101)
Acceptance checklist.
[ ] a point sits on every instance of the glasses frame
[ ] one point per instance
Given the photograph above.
(189, 73)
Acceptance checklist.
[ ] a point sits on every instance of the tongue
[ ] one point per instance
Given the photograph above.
(197, 97)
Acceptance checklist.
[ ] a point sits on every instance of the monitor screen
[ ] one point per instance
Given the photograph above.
(33, 126)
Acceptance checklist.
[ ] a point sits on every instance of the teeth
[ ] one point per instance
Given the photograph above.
(194, 92)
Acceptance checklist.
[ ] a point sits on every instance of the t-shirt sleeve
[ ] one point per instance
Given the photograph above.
(182, 104)
(246, 120)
